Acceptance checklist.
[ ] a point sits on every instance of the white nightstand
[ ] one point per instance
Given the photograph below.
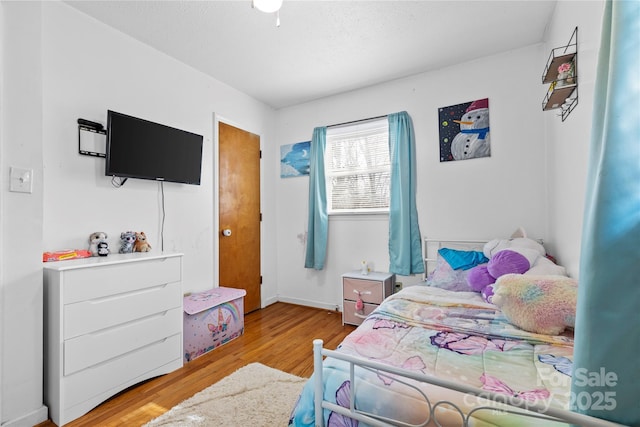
(373, 288)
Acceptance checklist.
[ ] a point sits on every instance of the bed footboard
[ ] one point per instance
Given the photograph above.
(520, 406)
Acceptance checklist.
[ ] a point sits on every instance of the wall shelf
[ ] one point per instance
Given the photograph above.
(556, 97)
(563, 89)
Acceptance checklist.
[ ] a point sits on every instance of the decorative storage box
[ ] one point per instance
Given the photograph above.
(212, 318)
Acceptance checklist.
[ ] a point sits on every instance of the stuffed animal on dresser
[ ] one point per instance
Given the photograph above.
(141, 244)
(103, 249)
(97, 243)
(127, 239)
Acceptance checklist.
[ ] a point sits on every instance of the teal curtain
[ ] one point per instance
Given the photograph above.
(606, 372)
(405, 244)
(318, 224)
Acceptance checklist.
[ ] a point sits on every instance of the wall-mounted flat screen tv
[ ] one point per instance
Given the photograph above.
(138, 148)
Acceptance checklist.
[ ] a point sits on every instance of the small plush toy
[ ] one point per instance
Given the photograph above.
(96, 240)
(127, 239)
(540, 304)
(103, 249)
(359, 303)
(519, 255)
(141, 244)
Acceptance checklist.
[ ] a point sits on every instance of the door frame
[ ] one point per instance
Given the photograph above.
(217, 119)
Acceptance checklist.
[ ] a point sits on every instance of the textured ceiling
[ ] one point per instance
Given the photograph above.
(323, 47)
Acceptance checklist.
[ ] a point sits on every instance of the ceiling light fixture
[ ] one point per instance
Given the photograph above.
(269, 6)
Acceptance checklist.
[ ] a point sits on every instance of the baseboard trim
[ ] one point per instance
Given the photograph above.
(38, 416)
(309, 303)
(270, 301)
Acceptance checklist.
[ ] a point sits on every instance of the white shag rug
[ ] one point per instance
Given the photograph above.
(254, 395)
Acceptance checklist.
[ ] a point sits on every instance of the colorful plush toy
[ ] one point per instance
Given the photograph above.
(141, 244)
(97, 243)
(540, 304)
(519, 255)
(127, 239)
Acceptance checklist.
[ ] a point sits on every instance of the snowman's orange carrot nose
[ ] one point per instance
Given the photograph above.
(460, 122)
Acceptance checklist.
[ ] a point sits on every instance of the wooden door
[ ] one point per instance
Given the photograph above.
(239, 212)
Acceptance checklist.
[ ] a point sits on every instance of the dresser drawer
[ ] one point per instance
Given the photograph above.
(370, 291)
(105, 280)
(111, 375)
(353, 317)
(93, 315)
(92, 349)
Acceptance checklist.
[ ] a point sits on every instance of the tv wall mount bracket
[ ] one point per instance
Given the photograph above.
(91, 138)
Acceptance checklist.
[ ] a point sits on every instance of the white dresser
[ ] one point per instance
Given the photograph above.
(110, 322)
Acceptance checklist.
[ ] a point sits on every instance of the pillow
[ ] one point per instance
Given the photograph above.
(462, 260)
(507, 261)
(541, 304)
(546, 266)
(445, 277)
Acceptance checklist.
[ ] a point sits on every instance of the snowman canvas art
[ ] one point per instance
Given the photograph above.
(464, 131)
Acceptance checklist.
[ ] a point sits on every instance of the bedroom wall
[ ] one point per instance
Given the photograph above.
(21, 219)
(66, 66)
(568, 142)
(89, 68)
(2, 186)
(472, 199)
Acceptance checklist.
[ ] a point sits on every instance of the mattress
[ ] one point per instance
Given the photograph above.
(455, 336)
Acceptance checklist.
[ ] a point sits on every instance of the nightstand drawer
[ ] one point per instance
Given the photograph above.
(353, 317)
(370, 291)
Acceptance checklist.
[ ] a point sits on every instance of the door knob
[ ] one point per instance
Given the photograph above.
(226, 232)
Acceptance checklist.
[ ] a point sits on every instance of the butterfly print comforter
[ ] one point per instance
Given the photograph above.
(452, 335)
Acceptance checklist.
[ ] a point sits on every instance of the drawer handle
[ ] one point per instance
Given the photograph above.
(359, 302)
(361, 316)
(141, 291)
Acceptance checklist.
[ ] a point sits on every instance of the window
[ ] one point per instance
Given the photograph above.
(357, 167)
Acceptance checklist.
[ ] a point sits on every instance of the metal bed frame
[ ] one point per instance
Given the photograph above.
(497, 402)
(520, 406)
(431, 246)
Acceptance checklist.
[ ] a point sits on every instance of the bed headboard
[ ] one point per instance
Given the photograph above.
(431, 246)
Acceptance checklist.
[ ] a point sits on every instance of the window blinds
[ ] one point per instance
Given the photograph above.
(357, 167)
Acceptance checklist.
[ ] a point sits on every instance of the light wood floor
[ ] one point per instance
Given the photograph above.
(279, 336)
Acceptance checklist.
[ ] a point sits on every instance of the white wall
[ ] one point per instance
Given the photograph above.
(478, 198)
(21, 219)
(89, 68)
(568, 142)
(60, 65)
(3, 181)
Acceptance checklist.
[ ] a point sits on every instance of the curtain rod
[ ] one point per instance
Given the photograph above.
(357, 121)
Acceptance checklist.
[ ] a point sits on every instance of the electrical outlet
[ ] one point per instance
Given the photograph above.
(398, 286)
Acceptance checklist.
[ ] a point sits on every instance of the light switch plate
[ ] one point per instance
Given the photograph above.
(21, 180)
